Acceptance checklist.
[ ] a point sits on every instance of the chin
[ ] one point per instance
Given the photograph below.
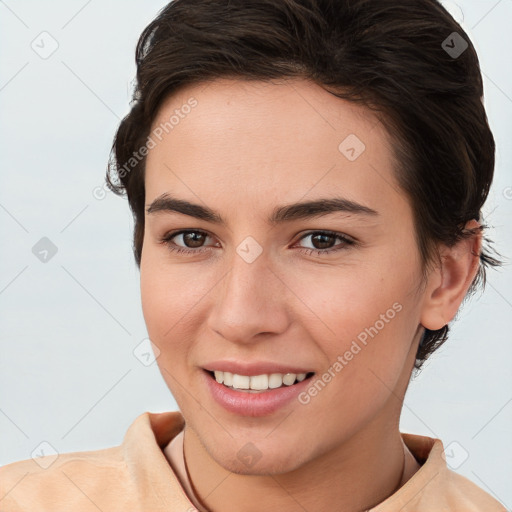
(249, 460)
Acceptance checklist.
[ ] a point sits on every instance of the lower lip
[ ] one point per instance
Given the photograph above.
(253, 404)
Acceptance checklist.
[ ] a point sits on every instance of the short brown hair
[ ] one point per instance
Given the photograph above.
(407, 60)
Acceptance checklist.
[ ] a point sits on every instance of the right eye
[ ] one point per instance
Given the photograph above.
(188, 236)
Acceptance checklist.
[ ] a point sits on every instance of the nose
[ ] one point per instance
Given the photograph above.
(251, 300)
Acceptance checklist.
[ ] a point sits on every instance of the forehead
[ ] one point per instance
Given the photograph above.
(276, 141)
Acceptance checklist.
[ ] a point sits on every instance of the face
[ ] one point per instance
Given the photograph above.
(246, 283)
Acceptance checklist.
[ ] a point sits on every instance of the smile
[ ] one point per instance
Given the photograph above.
(257, 383)
(259, 394)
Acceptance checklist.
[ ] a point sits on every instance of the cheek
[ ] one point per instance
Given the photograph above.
(172, 297)
(366, 315)
(349, 298)
(155, 297)
(364, 332)
(168, 294)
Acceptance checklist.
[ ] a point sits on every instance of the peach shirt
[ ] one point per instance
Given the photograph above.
(136, 476)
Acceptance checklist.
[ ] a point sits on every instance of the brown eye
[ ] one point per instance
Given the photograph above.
(324, 242)
(192, 241)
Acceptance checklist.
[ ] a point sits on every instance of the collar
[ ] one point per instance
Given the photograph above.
(149, 434)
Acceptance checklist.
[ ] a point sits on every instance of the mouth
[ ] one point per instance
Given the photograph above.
(257, 383)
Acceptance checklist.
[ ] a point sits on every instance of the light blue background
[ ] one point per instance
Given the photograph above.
(69, 327)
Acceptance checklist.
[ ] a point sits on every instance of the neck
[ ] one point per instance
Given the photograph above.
(358, 475)
(354, 476)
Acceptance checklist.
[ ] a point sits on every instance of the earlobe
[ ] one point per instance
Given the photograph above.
(449, 282)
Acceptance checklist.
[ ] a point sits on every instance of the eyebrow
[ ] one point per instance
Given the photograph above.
(290, 212)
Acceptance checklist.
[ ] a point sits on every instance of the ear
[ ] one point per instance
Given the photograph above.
(448, 283)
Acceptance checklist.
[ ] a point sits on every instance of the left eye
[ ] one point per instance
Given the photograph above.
(325, 239)
(193, 240)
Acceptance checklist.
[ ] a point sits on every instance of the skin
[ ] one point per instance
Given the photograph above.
(247, 147)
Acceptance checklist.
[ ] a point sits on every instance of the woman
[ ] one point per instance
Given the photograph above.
(306, 179)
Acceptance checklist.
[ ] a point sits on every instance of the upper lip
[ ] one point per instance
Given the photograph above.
(254, 368)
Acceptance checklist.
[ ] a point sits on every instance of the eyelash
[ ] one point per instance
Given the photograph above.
(166, 240)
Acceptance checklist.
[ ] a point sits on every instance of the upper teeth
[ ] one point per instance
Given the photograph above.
(257, 382)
